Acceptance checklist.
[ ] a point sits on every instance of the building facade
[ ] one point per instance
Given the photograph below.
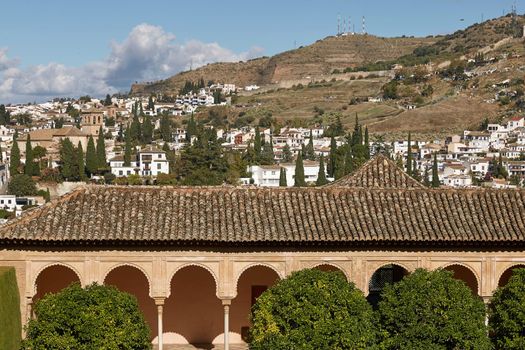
(197, 258)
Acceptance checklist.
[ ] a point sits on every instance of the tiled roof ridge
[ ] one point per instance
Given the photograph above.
(384, 165)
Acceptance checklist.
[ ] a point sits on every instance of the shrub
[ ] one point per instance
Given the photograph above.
(95, 317)
(310, 310)
(21, 185)
(431, 310)
(10, 320)
(507, 314)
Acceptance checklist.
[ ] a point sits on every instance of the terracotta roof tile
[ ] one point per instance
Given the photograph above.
(378, 172)
(221, 215)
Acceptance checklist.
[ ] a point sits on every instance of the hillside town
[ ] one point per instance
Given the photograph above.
(135, 141)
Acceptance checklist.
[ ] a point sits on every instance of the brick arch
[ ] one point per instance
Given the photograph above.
(128, 264)
(477, 289)
(66, 265)
(506, 274)
(331, 264)
(258, 264)
(193, 264)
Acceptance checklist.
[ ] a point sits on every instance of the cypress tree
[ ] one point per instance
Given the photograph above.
(67, 159)
(48, 195)
(81, 167)
(367, 144)
(101, 150)
(309, 149)
(191, 128)
(426, 180)
(14, 160)
(409, 157)
(435, 178)
(147, 130)
(332, 157)
(282, 178)
(257, 144)
(349, 160)
(91, 157)
(321, 176)
(151, 104)
(1, 155)
(29, 165)
(127, 148)
(299, 180)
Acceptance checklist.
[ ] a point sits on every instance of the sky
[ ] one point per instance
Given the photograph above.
(68, 48)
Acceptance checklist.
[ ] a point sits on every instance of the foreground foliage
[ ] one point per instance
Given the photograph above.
(507, 314)
(96, 317)
(10, 320)
(431, 310)
(311, 310)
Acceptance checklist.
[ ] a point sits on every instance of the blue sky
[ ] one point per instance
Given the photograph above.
(58, 47)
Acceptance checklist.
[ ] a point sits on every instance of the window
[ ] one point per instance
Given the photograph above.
(2, 201)
(273, 172)
(160, 155)
(129, 172)
(159, 166)
(120, 172)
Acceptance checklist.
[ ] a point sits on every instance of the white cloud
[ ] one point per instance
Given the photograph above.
(148, 53)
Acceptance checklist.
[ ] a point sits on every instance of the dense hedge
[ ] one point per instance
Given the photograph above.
(312, 310)
(507, 314)
(10, 320)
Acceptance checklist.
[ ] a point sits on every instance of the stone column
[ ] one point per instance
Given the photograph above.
(226, 304)
(160, 305)
(486, 300)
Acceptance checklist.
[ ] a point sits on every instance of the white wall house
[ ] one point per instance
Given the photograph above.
(147, 162)
(268, 175)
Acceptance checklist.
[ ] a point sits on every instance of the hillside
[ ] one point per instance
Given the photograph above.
(300, 87)
(322, 57)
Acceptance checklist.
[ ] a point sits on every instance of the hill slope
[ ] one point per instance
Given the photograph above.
(322, 57)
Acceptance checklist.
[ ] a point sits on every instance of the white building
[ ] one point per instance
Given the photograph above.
(268, 175)
(147, 162)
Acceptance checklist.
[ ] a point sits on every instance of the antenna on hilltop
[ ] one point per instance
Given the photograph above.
(338, 24)
(349, 24)
(363, 25)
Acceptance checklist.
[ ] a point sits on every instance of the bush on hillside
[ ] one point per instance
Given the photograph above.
(312, 310)
(21, 185)
(431, 310)
(95, 317)
(10, 320)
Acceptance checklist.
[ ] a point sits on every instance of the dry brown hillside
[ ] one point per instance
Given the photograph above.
(320, 58)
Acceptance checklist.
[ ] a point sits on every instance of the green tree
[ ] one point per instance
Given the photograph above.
(21, 185)
(95, 317)
(10, 318)
(101, 151)
(282, 178)
(409, 156)
(367, 144)
(332, 157)
(426, 178)
(39, 152)
(312, 310)
(29, 164)
(435, 177)
(287, 154)
(91, 157)
(309, 149)
(257, 144)
(321, 176)
(147, 130)
(267, 155)
(507, 314)
(107, 100)
(165, 128)
(191, 128)
(127, 148)
(67, 160)
(431, 310)
(151, 104)
(14, 160)
(299, 180)
(81, 167)
(203, 162)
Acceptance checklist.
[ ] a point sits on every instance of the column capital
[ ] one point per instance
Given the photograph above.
(226, 302)
(159, 301)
